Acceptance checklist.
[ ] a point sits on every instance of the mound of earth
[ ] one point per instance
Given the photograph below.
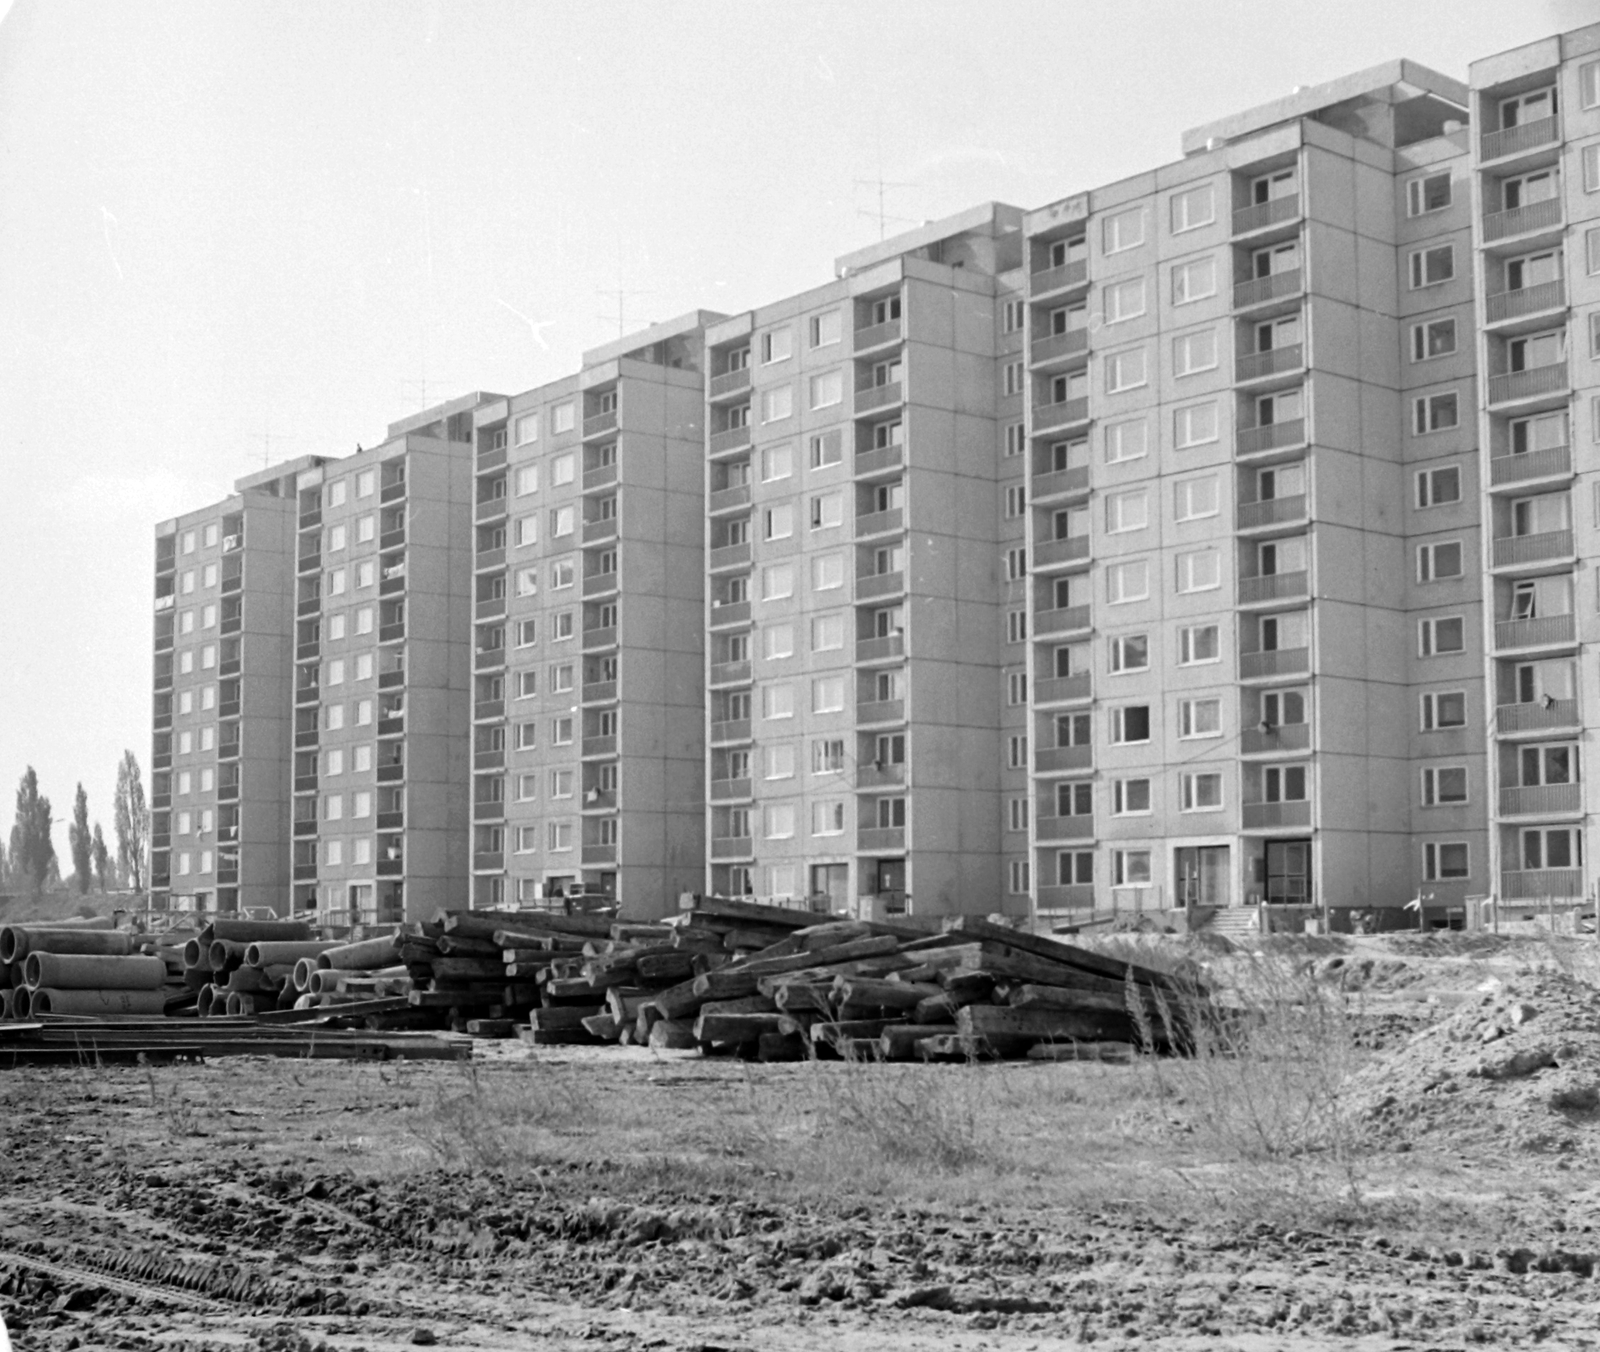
(1518, 1068)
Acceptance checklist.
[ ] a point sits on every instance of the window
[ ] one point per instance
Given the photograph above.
(1193, 208)
(827, 633)
(337, 538)
(561, 783)
(827, 817)
(336, 493)
(1444, 861)
(366, 529)
(1199, 570)
(1561, 847)
(777, 462)
(1124, 230)
(1437, 637)
(1125, 440)
(1127, 511)
(825, 329)
(1444, 786)
(778, 641)
(1130, 652)
(562, 574)
(1016, 626)
(1016, 501)
(777, 404)
(1284, 784)
(777, 701)
(1017, 814)
(526, 428)
(826, 449)
(1014, 380)
(1434, 413)
(563, 469)
(1437, 487)
(1016, 688)
(1127, 581)
(778, 522)
(1124, 300)
(1125, 370)
(1435, 338)
(527, 582)
(1444, 709)
(527, 684)
(827, 389)
(563, 417)
(526, 531)
(1130, 724)
(525, 480)
(1194, 352)
(1589, 84)
(1199, 718)
(1589, 159)
(777, 581)
(1194, 425)
(336, 671)
(1130, 797)
(558, 836)
(1016, 564)
(1431, 192)
(1194, 280)
(1200, 791)
(1438, 562)
(827, 572)
(827, 694)
(527, 633)
(561, 521)
(777, 345)
(561, 626)
(561, 731)
(1017, 749)
(1193, 499)
(1429, 267)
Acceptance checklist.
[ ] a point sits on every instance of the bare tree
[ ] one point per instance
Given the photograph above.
(132, 821)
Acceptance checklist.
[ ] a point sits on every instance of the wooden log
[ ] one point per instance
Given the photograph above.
(1114, 1053)
(734, 1028)
(648, 1016)
(666, 968)
(564, 1017)
(603, 1026)
(490, 924)
(634, 932)
(623, 1002)
(750, 940)
(997, 1022)
(730, 908)
(898, 1042)
(1068, 955)
(467, 946)
(869, 992)
(834, 1029)
(795, 996)
(672, 1035)
(468, 969)
(677, 1002)
(555, 1037)
(745, 1004)
(878, 945)
(1026, 995)
(1002, 962)
(577, 987)
(491, 1027)
(799, 1024)
(697, 938)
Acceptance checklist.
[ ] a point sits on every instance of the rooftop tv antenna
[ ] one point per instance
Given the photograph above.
(882, 185)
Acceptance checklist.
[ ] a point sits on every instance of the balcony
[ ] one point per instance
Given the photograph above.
(309, 517)
(880, 584)
(163, 720)
(1513, 551)
(1260, 290)
(305, 783)
(304, 873)
(1274, 587)
(600, 746)
(232, 624)
(1541, 800)
(305, 827)
(602, 528)
(1060, 483)
(228, 791)
(1051, 829)
(875, 776)
(1258, 741)
(730, 673)
(1543, 632)
(388, 680)
(727, 499)
(732, 847)
(599, 637)
(1062, 620)
(488, 559)
(232, 582)
(392, 539)
(1551, 462)
(305, 651)
(732, 439)
(1062, 689)
(1270, 816)
(599, 692)
(391, 868)
(1272, 512)
(490, 457)
(166, 601)
(1055, 553)
(878, 649)
(728, 556)
(490, 509)
(1064, 413)
(600, 424)
(391, 821)
(1530, 384)
(391, 773)
(600, 584)
(304, 737)
(1260, 215)
(1259, 365)
(878, 460)
(726, 614)
(488, 861)
(229, 666)
(881, 711)
(730, 790)
(1067, 897)
(391, 725)
(880, 523)
(1276, 662)
(1054, 347)
(870, 398)
(391, 633)
(1054, 758)
(601, 476)
(489, 607)
(731, 730)
(164, 641)
(393, 491)
(489, 760)
(1048, 280)
(1541, 883)
(1496, 145)
(488, 809)
(729, 382)
(878, 335)
(161, 760)
(878, 839)
(598, 853)
(1271, 437)
(1528, 300)
(1537, 716)
(308, 605)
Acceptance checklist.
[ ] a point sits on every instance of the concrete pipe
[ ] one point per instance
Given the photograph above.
(48, 1000)
(9, 976)
(287, 996)
(303, 971)
(304, 1001)
(226, 954)
(17, 941)
(250, 981)
(205, 1005)
(8, 1008)
(260, 931)
(196, 954)
(362, 957)
(241, 1004)
(78, 971)
(263, 954)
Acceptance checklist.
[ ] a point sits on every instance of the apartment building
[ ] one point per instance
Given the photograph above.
(224, 618)
(381, 696)
(853, 652)
(588, 649)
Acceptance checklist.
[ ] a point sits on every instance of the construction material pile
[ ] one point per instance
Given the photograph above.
(86, 967)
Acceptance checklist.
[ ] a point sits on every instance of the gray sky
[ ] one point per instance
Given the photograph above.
(231, 230)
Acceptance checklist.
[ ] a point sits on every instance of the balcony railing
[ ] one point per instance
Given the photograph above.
(599, 636)
(730, 439)
(391, 868)
(488, 861)
(876, 649)
(881, 711)
(1048, 758)
(1549, 462)
(602, 528)
(1272, 512)
(488, 559)
(1051, 829)
(1260, 290)
(1069, 549)
(730, 382)
(1067, 897)
(729, 790)
(1537, 716)
(1060, 689)
(391, 725)
(598, 852)
(483, 809)
(1062, 620)
(1262, 214)
(732, 847)
(393, 491)
(1512, 550)
(600, 424)
(729, 556)
(730, 613)
(605, 745)
(489, 708)
(876, 335)
(1538, 883)
(1551, 379)
(391, 821)
(486, 607)
(873, 839)
(600, 476)
(724, 499)
(878, 459)
(392, 633)
(1274, 587)
(490, 457)
(599, 692)
(1515, 140)
(490, 509)
(873, 776)
(1046, 280)
(485, 759)
(880, 584)
(731, 730)
(1272, 436)
(730, 673)
(1061, 481)
(1543, 631)
(1527, 300)
(391, 773)
(1259, 741)
(1261, 816)
(387, 680)
(871, 397)
(1060, 414)
(1054, 346)
(1276, 662)
(1256, 365)
(1541, 800)
(880, 523)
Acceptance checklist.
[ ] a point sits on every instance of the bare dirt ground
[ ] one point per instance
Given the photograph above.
(1440, 1191)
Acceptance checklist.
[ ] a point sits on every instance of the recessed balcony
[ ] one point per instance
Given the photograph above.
(1248, 366)
(1545, 215)
(1553, 462)
(1521, 551)
(600, 584)
(1497, 145)
(1530, 384)
(599, 692)
(599, 746)
(731, 439)
(1066, 897)
(732, 847)
(1060, 553)
(881, 648)
(1061, 620)
(1062, 689)
(599, 530)
(880, 523)
(1048, 830)
(490, 509)
(730, 614)
(1063, 413)
(730, 673)
(728, 556)
(1060, 483)
(878, 460)
(1262, 215)
(1545, 631)
(1048, 349)
(599, 637)
(1270, 512)
(1048, 759)
(870, 397)
(1541, 800)
(881, 711)
(1528, 300)
(1537, 716)
(878, 335)
(1063, 278)
(1541, 884)
(874, 776)
(880, 584)
(1259, 741)
(600, 476)
(730, 790)
(1271, 816)
(730, 730)
(1274, 587)
(1262, 290)
(1274, 662)
(727, 499)
(1271, 436)
(600, 424)
(729, 383)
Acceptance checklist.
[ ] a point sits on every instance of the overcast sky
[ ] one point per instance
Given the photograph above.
(232, 231)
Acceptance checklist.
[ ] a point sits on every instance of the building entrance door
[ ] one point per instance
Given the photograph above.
(1288, 873)
(1202, 875)
(833, 882)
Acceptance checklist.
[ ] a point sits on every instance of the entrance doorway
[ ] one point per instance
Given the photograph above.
(833, 882)
(1288, 873)
(1203, 876)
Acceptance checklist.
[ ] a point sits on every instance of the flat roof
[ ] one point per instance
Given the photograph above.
(656, 333)
(463, 404)
(991, 218)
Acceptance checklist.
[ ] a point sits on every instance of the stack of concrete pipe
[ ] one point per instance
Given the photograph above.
(83, 968)
(244, 966)
(349, 973)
